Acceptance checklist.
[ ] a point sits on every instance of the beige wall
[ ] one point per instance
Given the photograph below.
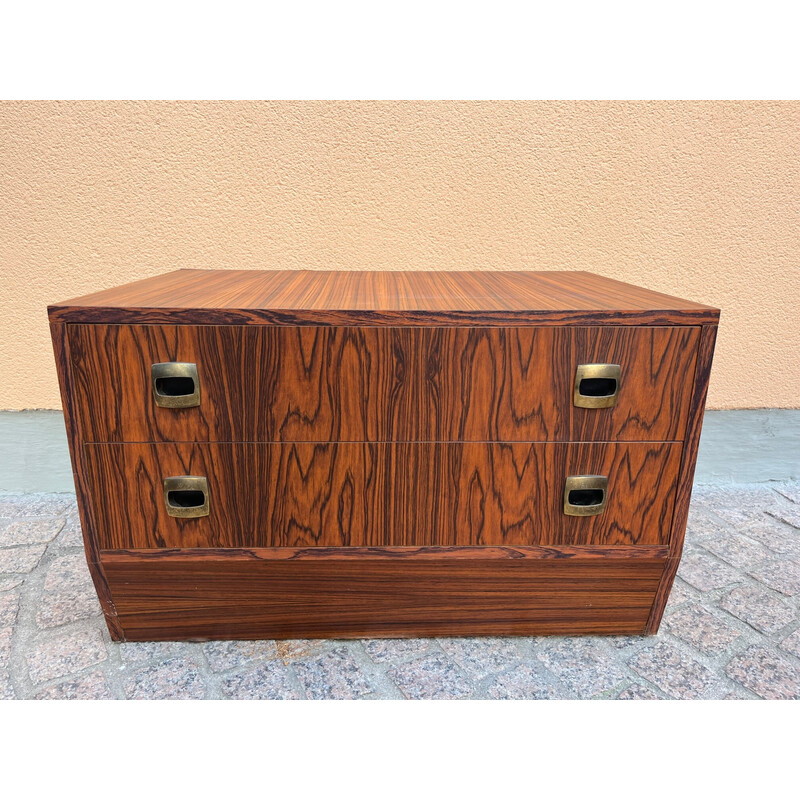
(696, 199)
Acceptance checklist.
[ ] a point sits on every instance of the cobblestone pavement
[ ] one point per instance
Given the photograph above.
(731, 629)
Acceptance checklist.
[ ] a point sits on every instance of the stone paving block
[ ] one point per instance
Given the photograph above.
(21, 559)
(71, 534)
(334, 675)
(673, 672)
(6, 584)
(757, 608)
(703, 502)
(139, 652)
(6, 689)
(432, 677)
(701, 629)
(735, 696)
(59, 656)
(637, 691)
(290, 650)
(789, 490)
(624, 642)
(791, 644)
(71, 605)
(738, 516)
(68, 570)
(268, 681)
(30, 531)
(223, 656)
(705, 572)
(382, 651)
(702, 525)
(754, 496)
(737, 550)
(767, 674)
(524, 682)
(5, 645)
(479, 657)
(35, 505)
(88, 687)
(176, 679)
(679, 594)
(790, 515)
(582, 664)
(777, 536)
(781, 575)
(9, 607)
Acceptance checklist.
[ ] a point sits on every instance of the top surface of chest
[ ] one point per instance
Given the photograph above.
(310, 297)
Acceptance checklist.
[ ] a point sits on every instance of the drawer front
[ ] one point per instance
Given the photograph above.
(657, 375)
(322, 384)
(516, 384)
(380, 494)
(256, 383)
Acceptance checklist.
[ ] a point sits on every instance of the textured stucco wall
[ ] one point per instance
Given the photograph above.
(696, 199)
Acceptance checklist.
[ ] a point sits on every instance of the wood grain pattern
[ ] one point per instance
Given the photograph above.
(381, 384)
(705, 355)
(580, 552)
(230, 598)
(492, 384)
(381, 495)
(306, 297)
(61, 351)
(655, 393)
(257, 384)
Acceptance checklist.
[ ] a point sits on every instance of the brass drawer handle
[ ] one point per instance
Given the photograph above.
(175, 384)
(585, 495)
(596, 385)
(186, 496)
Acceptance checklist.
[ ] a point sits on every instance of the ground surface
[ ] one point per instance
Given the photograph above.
(731, 629)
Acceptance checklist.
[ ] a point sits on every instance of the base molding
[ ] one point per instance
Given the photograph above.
(384, 553)
(202, 595)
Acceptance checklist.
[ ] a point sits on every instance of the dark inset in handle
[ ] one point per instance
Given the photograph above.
(175, 387)
(585, 495)
(175, 384)
(186, 496)
(596, 385)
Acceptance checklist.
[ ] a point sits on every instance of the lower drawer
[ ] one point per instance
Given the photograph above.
(380, 495)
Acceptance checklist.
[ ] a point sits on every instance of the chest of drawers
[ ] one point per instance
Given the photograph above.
(283, 454)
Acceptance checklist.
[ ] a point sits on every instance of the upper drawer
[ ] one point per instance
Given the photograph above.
(281, 383)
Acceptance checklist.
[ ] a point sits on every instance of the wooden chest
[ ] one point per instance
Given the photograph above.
(286, 454)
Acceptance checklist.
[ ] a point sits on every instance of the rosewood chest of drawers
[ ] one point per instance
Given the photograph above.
(286, 454)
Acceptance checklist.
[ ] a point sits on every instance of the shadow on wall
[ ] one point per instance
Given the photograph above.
(736, 447)
(753, 446)
(34, 455)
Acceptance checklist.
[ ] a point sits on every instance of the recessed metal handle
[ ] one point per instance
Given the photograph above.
(175, 384)
(585, 495)
(186, 496)
(596, 385)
